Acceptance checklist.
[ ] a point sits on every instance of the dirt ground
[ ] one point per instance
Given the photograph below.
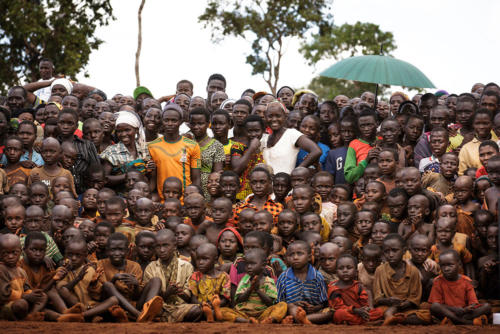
(219, 328)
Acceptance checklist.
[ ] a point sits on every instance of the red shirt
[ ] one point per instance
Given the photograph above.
(459, 293)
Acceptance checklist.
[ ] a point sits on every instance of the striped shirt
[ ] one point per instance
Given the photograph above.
(292, 290)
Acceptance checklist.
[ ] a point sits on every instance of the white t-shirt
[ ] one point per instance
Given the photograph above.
(283, 155)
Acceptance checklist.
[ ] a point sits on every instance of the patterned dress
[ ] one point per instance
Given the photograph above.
(211, 153)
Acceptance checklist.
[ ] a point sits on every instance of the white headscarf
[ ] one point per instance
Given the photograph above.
(130, 118)
(63, 82)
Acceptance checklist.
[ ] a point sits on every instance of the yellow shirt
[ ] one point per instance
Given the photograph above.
(174, 159)
(469, 155)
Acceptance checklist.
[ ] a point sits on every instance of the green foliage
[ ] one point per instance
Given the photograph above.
(360, 38)
(61, 30)
(267, 24)
(346, 41)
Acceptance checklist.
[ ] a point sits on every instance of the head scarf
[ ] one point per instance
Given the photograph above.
(226, 102)
(441, 92)
(100, 93)
(298, 95)
(259, 94)
(236, 233)
(130, 118)
(403, 95)
(141, 90)
(63, 82)
(56, 104)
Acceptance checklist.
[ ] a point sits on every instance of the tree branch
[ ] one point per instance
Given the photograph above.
(139, 44)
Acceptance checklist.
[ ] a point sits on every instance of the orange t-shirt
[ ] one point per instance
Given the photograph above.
(174, 159)
(459, 293)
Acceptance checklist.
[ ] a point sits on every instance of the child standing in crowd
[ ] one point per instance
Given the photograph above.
(256, 223)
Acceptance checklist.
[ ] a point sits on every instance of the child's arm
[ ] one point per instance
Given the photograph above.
(243, 297)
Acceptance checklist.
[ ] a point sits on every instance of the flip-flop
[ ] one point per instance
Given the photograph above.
(151, 309)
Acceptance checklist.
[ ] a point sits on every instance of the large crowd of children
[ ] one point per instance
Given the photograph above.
(262, 209)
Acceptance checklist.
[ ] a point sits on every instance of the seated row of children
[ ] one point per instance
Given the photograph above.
(406, 256)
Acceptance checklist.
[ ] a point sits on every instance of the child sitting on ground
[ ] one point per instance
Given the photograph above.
(302, 287)
(256, 294)
(21, 301)
(210, 288)
(351, 303)
(122, 279)
(453, 298)
(174, 274)
(397, 287)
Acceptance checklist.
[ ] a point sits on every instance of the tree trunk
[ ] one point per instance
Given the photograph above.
(139, 44)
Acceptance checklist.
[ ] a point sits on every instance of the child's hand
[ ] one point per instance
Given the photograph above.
(129, 279)
(61, 272)
(362, 312)
(254, 282)
(91, 247)
(150, 166)
(431, 266)
(394, 301)
(160, 225)
(171, 290)
(29, 164)
(82, 272)
(490, 265)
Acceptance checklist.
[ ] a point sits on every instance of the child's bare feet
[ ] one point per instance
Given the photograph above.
(151, 309)
(118, 313)
(208, 312)
(480, 321)
(287, 320)
(253, 320)
(301, 316)
(71, 317)
(35, 316)
(268, 320)
(393, 320)
(216, 306)
(77, 308)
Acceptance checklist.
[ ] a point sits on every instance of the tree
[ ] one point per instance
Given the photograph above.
(268, 24)
(139, 44)
(346, 40)
(62, 30)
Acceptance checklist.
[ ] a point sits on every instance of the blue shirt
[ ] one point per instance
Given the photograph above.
(35, 157)
(292, 290)
(322, 159)
(335, 164)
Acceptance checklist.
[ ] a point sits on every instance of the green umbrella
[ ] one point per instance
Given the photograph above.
(379, 70)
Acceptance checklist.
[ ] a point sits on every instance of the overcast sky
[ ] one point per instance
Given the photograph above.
(455, 43)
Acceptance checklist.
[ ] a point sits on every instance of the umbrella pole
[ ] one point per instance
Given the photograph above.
(376, 93)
